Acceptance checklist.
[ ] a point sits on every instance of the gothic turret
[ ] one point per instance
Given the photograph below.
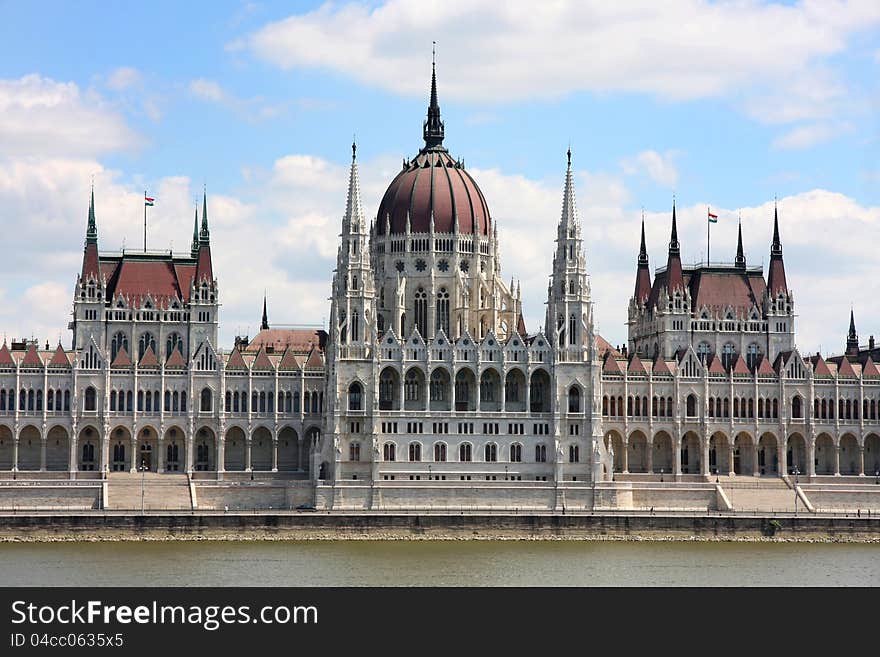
(264, 324)
(204, 269)
(194, 248)
(740, 254)
(90, 256)
(433, 127)
(776, 277)
(852, 338)
(643, 273)
(674, 277)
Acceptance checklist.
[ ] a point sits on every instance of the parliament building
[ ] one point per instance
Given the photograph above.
(428, 391)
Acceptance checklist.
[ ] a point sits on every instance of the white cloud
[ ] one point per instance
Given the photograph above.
(251, 108)
(123, 78)
(491, 51)
(805, 136)
(660, 168)
(42, 117)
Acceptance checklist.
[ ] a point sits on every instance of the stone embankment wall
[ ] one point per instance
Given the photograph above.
(324, 526)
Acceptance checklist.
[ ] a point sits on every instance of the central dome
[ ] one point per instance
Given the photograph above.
(433, 185)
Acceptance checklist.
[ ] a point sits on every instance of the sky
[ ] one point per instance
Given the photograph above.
(737, 106)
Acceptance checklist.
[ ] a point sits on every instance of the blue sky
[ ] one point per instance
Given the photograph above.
(716, 103)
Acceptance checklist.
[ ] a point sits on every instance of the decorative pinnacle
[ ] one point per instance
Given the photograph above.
(92, 230)
(264, 325)
(740, 254)
(432, 129)
(643, 251)
(673, 240)
(205, 234)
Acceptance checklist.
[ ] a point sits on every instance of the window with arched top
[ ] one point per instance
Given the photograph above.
(172, 342)
(574, 400)
(692, 405)
(206, 399)
(91, 399)
(355, 397)
(119, 341)
(728, 355)
(797, 408)
(145, 341)
(421, 312)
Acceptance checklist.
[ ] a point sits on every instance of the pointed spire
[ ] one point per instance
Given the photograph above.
(354, 212)
(674, 277)
(569, 206)
(194, 248)
(205, 234)
(92, 230)
(264, 325)
(776, 248)
(432, 129)
(740, 254)
(776, 277)
(643, 273)
(852, 338)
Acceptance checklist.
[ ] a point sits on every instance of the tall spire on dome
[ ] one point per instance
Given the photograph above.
(92, 230)
(674, 277)
(852, 338)
(354, 220)
(432, 129)
(740, 254)
(205, 234)
(264, 325)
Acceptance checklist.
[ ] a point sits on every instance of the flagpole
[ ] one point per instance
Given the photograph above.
(708, 228)
(145, 221)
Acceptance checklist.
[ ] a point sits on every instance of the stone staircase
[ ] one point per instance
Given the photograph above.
(761, 494)
(161, 491)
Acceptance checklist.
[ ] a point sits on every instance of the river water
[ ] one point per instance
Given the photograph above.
(438, 563)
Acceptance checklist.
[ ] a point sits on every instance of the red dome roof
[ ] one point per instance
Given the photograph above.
(434, 183)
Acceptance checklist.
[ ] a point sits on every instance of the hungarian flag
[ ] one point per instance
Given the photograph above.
(148, 200)
(713, 218)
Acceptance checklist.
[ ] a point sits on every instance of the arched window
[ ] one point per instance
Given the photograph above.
(540, 453)
(574, 454)
(174, 341)
(388, 451)
(91, 401)
(797, 410)
(491, 453)
(355, 326)
(207, 399)
(464, 452)
(440, 452)
(574, 399)
(728, 355)
(703, 351)
(415, 452)
(119, 341)
(411, 387)
(146, 340)
(692, 405)
(355, 397)
(443, 311)
(753, 351)
(516, 453)
(421, 312)
(572, 330)
(343, 327)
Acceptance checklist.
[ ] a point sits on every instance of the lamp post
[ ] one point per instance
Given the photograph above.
(143, 470)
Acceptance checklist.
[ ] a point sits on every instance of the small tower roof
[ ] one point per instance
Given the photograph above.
(235, 361)
(740, 366)
(149, 358)
(740, 254)
(32, 358)
(264, 324)
(59, 358)
(122, 359)
(674, 276)
(175, 360)
(869, 368)
(262, 361)
(820, 367)
(288, 361)
(5, 357)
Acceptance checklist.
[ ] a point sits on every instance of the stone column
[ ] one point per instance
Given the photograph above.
(247, 454)
(861, 460)
(704, 462)
(43, 454)
(135, 463)
(15, 454)
(676, 457)
(811, 456)
(625, 457)
(756, 469)
(782, 457)
(730, 448)
(71, 457)
(274, 455)
(221, 454)
(837, 460)
(649, 456)
(160, 457)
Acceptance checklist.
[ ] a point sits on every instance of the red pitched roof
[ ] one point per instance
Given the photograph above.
(636, 366)
(288, 361)
(611, 366)
(740, 366)
(869, 368)
(661, 366)
(262, 362)
(235, 361)
(149, 358)
(820, 367)
(604, 347)
(5, 356)
(136, 278)
(521, 326)
(59, 359)
(175, 360)
(715, 367)
(32, 358)
(765, 368)
(122, 359)
(845, 368)
(314, 359)
(301, 340)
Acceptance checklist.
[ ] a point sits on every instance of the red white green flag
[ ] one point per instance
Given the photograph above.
(148, 200)
(713, 218)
